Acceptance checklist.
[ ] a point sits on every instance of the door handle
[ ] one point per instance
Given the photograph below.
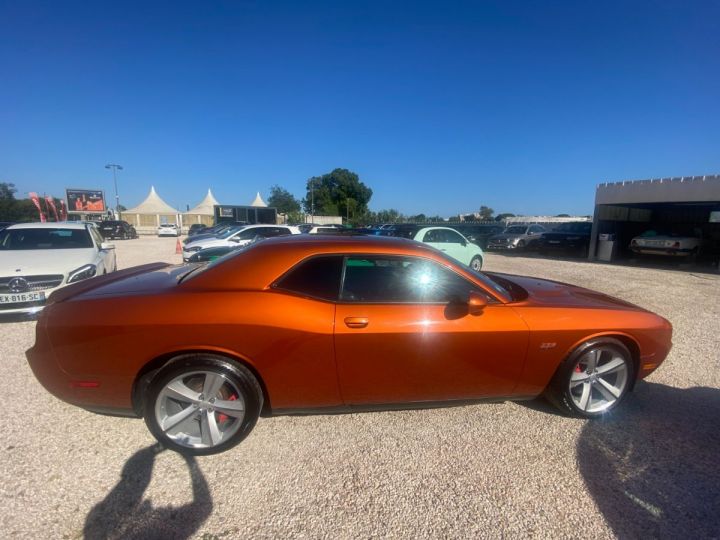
(356, 322)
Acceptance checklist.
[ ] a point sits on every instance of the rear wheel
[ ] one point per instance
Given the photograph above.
(593, 380)
(202, 404)
(476, 263)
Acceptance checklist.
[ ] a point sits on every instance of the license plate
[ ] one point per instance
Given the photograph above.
(19, 298)
(553, 241)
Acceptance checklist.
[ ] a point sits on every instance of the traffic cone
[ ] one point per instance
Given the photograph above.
(178, 247)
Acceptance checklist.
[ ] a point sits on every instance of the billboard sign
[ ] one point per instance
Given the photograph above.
(85, 200)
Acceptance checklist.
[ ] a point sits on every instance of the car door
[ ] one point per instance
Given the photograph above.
(450, 242)
(403, 334)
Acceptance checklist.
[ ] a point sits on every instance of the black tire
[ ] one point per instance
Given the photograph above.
(565, 398)
(238, 385)
(521, 244)
(476, 263)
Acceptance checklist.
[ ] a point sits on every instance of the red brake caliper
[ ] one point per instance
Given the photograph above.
(221, 416)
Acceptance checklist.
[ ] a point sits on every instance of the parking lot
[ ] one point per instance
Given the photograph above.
(488, 470)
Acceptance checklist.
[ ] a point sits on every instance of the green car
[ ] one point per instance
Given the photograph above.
(453, 244)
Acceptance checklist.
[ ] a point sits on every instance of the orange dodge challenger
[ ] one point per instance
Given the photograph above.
(331, 324)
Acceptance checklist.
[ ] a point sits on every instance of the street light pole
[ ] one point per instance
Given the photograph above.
(115, 167)
(312, 200)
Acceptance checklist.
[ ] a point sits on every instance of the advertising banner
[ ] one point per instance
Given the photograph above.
(85, 200)
(63, 210)
(51, 205)
(36, 201)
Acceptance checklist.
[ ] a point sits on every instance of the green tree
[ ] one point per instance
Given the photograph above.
(332, 193)
(21, 210)
(7, 191)
(283, 200)
(486, 213)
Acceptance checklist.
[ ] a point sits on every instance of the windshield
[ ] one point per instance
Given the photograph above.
(26, 239)
(229, 232)
(574, 227)
(515, 230)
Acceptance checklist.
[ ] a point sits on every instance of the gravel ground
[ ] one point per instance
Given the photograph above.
(490, 470)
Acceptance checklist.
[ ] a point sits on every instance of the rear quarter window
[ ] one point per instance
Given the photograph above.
(318, 277)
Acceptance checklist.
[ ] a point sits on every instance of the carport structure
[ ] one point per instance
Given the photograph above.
(688, 206)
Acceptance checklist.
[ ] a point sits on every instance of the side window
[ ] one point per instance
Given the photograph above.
(401, 280)
(453, 237)
(249, 234)
(318, 277)
(432, 236)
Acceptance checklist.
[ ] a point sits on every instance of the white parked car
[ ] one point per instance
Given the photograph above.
(37, 258)
(654, 242)
(238, 237)
(168, 229)
(453, 244)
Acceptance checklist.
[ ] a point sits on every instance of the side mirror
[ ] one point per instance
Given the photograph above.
(107, 245)
(476, 303)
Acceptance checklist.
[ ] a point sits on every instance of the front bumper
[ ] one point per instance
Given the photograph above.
(669, 252)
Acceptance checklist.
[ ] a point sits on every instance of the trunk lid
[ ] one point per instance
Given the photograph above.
(144, 278)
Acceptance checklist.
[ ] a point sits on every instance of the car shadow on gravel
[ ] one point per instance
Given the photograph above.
(124, 514)
(652, 466)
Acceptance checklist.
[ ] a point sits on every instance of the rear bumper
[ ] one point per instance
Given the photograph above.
(97, 393)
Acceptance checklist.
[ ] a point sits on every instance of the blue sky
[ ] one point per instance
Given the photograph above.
(439, 107)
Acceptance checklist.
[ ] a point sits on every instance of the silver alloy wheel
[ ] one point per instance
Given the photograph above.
(476, 263)
(200, 409)
(599, 379)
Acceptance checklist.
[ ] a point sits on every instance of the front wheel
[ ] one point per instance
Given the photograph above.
(593, 380)
(476, 263)
(202, 404)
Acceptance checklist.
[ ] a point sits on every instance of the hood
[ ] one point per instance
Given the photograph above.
(562, 235)
(210, 242)
(506, 236)
(547, 293)
(665, 237)
(22, 262)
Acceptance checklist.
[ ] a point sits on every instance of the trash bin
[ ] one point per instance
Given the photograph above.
(607, 247)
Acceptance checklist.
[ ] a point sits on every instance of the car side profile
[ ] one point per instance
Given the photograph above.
(39, 258)
(241, 235)
(453, 244)
(332, 324)
(517, 237)
(117, 229)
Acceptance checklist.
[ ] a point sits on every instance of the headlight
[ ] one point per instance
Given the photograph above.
(192, 249)
(84, 272)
